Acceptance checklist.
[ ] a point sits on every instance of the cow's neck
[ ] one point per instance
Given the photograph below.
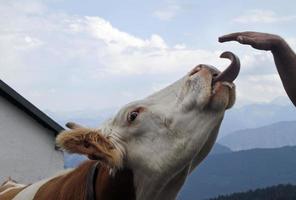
(119, 185)
(126, 184)
(148, 186)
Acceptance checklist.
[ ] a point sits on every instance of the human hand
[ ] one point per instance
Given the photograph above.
(261, 41)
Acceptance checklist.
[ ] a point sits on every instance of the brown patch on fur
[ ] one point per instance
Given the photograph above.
(9, 195)
(92, 143)
(9, 189)
(66, 187)
(4, 187)
(9, 179)
(72, 185)
(9, 183)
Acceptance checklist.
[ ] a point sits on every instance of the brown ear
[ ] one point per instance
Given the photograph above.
(73, 125)
(92, 143)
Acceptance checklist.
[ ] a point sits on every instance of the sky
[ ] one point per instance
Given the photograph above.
(91, 55)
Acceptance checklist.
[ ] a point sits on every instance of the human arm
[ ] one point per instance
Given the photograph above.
(284, 57)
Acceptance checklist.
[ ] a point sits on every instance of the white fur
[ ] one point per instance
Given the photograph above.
(163, 144)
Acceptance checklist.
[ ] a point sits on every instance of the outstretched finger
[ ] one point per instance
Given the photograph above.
(229, 37)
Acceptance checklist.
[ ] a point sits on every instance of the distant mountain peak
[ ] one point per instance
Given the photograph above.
(275, 135)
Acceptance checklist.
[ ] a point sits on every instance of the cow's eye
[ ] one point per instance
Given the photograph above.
(132, 116)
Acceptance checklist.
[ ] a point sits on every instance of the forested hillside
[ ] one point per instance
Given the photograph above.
(279, 192)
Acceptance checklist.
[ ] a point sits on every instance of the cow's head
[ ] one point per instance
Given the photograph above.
(162, 133)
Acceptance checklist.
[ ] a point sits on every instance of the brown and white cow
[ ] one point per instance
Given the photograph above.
(149, 148)
(9, 188)
(77, 184)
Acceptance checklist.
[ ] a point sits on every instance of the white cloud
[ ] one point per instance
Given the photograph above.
(66, 62)
(128, 54)
(262, 16)
(259, 88)
(168, 12)
(292, 43)
(257, 62)
(24, 6)
(103, 30)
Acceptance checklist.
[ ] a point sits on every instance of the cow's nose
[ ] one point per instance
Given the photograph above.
(214, 71)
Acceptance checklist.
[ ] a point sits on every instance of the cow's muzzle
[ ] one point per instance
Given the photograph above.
(228, 75)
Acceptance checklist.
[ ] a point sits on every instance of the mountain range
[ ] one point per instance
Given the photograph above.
(240, 171)
(219, 149)
(271, 136)
(256, 115)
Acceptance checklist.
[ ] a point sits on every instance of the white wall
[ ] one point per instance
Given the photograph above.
(27, 149)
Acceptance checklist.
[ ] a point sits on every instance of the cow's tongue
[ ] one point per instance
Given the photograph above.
(231, 72)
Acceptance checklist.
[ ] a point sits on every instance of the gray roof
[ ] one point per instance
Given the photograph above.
(15, 98)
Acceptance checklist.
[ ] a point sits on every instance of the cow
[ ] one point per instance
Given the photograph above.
(149, 148)
(9, 188)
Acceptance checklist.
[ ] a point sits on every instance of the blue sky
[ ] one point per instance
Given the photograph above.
(70, 55)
